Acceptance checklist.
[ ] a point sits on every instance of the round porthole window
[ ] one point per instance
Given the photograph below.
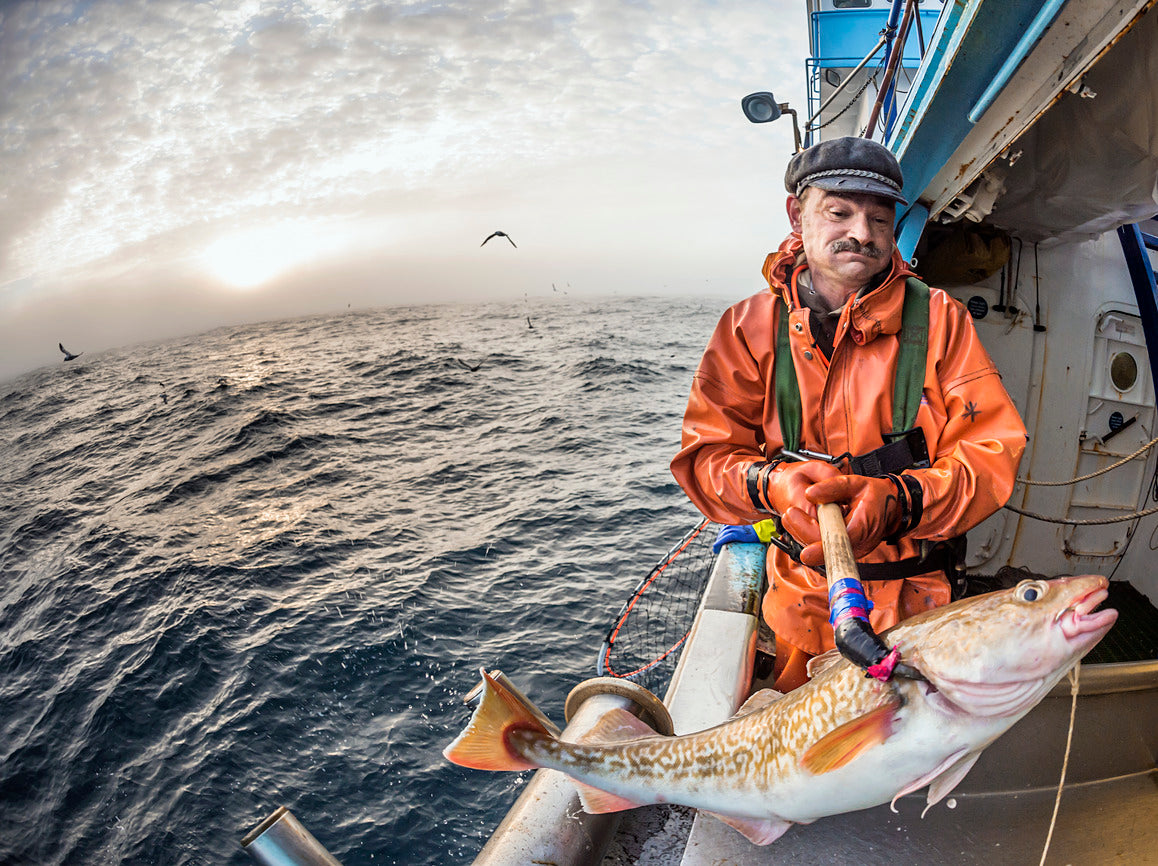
(1123, 371)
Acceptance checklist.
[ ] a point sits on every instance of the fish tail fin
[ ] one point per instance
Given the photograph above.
(483, 743)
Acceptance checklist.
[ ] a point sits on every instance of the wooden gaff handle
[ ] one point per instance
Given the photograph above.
(855, 637)
(839, 562)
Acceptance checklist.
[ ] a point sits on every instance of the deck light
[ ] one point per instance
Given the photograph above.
(760, 107)
(763, 108)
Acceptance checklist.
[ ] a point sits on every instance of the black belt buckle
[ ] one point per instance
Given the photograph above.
(901, 451)
(918, 447)
(780, 538)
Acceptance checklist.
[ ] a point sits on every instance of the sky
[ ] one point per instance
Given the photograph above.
(168, 166)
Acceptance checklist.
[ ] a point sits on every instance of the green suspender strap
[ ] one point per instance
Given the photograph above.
(910, 375)
(908, 381)
(787, 388)
(905, 446)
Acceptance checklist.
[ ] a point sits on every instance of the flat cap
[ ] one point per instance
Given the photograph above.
(848, 164)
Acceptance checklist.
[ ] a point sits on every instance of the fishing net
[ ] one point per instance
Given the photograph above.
(646, 635)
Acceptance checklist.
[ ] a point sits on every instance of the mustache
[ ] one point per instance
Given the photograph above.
(850, 246)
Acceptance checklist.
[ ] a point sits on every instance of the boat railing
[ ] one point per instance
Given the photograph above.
(851, 38)
(547, 823)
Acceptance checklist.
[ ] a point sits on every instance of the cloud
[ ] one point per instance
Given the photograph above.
(136, 134)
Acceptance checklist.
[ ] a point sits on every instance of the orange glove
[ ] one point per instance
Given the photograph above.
(872, 513)
(786, 487)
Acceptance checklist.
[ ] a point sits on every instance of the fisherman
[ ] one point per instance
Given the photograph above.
(909, 489)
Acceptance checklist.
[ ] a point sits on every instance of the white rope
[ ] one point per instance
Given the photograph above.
(1135, 515)
(1065, 761)
(1093, 521)
(1145, 447)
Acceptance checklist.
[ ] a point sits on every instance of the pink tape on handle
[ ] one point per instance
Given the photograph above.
(883, 670)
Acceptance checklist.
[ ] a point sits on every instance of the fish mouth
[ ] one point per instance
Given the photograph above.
(1081, 619)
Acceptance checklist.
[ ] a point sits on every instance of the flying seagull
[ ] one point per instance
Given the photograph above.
(499, 235)
(68, 356)
(468, 366)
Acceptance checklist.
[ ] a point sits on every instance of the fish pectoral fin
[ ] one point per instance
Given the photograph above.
(839, 747)
(758, 831)
(617, 726)
(950, 779)
(821, 662)
(596, 801)
(941, 779)
(757, 702)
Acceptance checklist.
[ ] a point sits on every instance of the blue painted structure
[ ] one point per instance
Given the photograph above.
(842, 38)
(1033, 33)
(966, 56)
(1135, 243)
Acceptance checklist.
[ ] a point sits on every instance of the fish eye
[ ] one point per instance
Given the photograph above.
(1030, 590)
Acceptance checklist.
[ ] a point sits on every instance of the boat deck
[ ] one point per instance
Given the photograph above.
(976, 830)
(1112, 785)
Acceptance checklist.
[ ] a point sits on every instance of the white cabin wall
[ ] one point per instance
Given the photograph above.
(1015, 349)
(1048, 375)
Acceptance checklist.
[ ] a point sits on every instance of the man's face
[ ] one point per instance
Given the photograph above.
(848, 237)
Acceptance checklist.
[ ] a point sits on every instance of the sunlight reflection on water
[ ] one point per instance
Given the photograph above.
(265, 570)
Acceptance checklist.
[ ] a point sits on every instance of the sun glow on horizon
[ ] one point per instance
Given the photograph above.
(247, 259)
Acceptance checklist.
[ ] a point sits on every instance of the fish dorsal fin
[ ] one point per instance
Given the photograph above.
(822, 662)
(616, 726)
(839, 747)
(758, 831)
(757, 702)
(597, 802)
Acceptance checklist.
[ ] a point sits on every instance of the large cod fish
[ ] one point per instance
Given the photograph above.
(839, 743)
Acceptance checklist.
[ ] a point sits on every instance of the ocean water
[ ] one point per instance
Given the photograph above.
(261, 566)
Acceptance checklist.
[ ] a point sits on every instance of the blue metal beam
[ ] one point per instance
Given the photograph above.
(1033, 33)
(1134, 244)
(909, 229)
(972, 41)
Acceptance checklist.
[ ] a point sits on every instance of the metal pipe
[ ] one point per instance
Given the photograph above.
(795, 126)
(1042, 20)
(897, 49)
(281, 840)
(891, 21)
(890, 31)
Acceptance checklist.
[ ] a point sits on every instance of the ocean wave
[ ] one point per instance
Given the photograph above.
(251, 577)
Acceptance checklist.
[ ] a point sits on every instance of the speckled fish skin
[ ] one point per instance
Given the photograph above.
(844, 742)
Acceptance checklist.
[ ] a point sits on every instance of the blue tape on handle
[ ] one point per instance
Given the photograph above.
(846, 599)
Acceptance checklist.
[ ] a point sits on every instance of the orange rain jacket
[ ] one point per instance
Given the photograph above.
(974, 433)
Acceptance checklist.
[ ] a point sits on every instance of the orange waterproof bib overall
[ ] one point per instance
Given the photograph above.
(974, 433)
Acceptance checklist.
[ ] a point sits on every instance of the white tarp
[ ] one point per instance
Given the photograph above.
(1090, 164)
